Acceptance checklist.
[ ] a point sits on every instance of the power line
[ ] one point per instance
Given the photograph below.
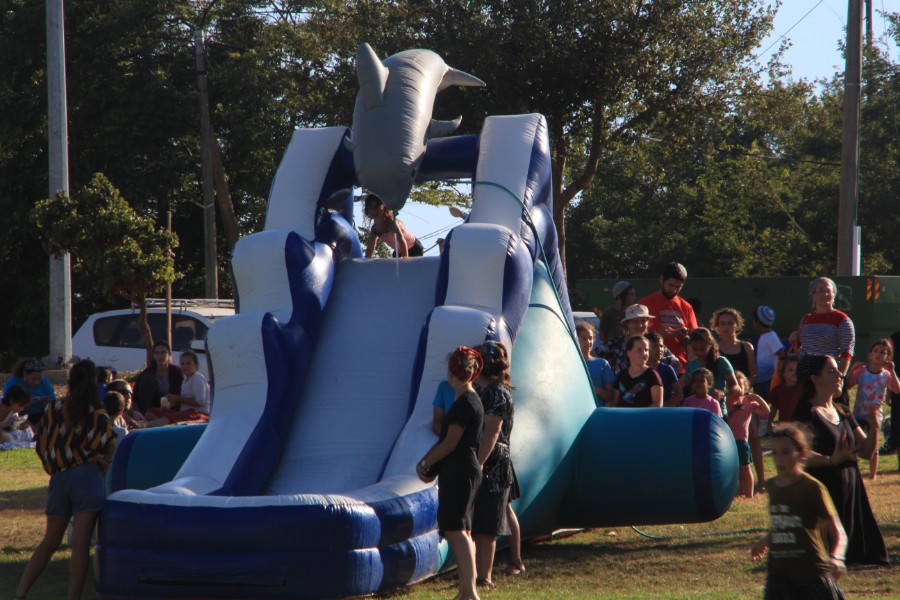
(781, 37)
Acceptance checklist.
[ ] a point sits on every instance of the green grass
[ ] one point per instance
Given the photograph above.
(707, 560)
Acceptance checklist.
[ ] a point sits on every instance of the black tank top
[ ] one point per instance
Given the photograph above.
(738, 361)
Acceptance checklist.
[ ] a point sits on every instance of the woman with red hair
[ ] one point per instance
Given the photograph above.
(454, 458)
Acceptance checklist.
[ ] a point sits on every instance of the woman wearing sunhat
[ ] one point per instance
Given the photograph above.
(637, 318)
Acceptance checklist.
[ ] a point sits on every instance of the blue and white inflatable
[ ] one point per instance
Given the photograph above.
(303, 483)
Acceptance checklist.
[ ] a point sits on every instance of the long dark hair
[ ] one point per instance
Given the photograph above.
(82, 394)
(702, 334)
(809, 365)
(157, 344)
(496, 361)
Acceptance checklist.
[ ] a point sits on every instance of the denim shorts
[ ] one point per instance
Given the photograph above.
(75, 490)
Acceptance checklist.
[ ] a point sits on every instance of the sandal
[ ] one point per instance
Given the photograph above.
(512, 569)
(487, 583)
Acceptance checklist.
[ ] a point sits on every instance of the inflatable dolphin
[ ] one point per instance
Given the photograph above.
(303, 483)
(392, 117)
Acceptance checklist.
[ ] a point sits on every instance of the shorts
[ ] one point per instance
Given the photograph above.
(779, 587)
(490, 512)
(743, 450)
(75, 490)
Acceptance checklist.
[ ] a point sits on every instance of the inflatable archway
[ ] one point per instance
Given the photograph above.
(303, 483)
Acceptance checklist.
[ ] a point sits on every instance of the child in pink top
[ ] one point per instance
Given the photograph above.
(701, 382)
(873, 380)
(742, 405)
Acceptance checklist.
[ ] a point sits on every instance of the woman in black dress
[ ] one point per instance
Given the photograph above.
(493, 514)
(837, 441)
(454, 458)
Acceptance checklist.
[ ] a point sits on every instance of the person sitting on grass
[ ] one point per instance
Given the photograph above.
(114, 403)
(13, 403)
(28, 373)
(191, 403)
(132, 417)
(806, 541)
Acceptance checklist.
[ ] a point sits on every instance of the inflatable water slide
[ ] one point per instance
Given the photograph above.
(303, 483)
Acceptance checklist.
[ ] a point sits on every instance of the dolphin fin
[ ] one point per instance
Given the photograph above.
(372, 75)
(442, 128)
(455, 77)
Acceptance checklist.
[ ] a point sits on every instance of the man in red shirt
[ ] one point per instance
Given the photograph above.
(674, 316)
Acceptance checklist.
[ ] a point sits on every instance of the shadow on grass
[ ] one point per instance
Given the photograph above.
(24, 499)
(53, 583)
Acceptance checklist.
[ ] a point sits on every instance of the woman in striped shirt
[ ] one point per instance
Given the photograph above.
(76, 444)
(827, 330)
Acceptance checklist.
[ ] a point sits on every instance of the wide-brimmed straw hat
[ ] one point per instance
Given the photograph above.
(637, 311)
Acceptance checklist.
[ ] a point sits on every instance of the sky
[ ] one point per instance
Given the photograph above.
(814, 28)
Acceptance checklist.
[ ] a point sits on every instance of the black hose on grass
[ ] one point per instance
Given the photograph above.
(713, 534)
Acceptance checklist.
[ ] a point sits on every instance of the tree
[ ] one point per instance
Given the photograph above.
(119, 251)
(600, 72)
(133, 115)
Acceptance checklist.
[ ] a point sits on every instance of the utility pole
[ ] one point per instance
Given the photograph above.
(869, 32)
(57, 142)
(209, 200)
(847, 202)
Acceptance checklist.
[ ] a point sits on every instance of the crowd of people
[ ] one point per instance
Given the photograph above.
(650, 352)
(801, 385)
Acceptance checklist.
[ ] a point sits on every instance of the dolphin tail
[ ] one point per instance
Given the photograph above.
(456, 77)
(442, 128)
(372, 75)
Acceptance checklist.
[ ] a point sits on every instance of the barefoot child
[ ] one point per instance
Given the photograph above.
(701, 382)
(806, 541)
(741, 407)
(873, 381)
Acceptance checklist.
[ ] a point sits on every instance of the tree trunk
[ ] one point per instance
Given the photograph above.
(223, 197)
(144, 327)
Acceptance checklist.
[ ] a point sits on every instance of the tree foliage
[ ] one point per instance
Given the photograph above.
(667, 140)
(120, 252)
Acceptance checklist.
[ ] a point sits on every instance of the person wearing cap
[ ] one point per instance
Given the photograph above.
(636, 322)
(28, 373)
(674, 317)
(611, 321)
(767, 349)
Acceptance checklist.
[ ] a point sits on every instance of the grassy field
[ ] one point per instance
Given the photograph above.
(709, 560)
